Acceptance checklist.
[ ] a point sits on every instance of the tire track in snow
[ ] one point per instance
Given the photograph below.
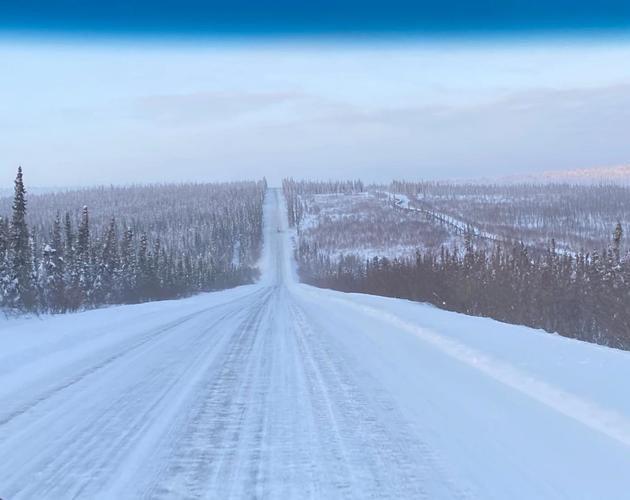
(372, 451)
(105, 358)
(110, 427)
(278, 416)
(199, 452)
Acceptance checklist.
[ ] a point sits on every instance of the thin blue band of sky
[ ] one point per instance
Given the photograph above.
(268, 17)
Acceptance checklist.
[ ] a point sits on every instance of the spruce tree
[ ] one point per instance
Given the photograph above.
(73, 289)
(126, 279)
(21, 291)
(155, 270)
(44, 278)
(83, 258)
(4, 263)
(617, 235)
(143, 272)
(107, 265)
(57, 292)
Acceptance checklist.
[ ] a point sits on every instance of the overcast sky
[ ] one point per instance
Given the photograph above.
(75, 112)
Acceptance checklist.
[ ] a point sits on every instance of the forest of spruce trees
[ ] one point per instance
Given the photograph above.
(191, 238)
(583, 295)
(576, 216)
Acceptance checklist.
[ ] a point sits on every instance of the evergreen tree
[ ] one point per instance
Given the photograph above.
(21, 291)
(155, 270)
(617, 235)
(57, 285)
(108, 265)
(73, 287)
(83, 258)
(126, 280)
(142, 270)
(44, 278)
(4, 263)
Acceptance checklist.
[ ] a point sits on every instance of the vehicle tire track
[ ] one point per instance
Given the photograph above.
(10, 412)
(370, 439)
(131, 411)
(201, 454)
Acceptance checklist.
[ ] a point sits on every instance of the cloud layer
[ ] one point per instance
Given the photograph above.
(100, 114)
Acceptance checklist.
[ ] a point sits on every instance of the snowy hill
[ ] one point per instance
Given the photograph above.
(281, 390)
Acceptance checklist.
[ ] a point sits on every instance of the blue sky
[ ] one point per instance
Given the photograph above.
(134, 98)
(321, 17)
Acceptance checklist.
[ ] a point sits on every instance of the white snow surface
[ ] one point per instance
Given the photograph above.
(280, 390)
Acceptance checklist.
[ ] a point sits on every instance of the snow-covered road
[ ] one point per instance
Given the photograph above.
(279, 390)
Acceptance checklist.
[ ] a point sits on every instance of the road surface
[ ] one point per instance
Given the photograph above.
(278, 390)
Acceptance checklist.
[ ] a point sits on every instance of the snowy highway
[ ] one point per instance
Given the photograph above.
(280, 390)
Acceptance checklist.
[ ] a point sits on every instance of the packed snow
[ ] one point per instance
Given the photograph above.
(281, 390)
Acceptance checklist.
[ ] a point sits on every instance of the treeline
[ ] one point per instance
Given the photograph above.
(174, 240)
(294, 191)
(585, 296)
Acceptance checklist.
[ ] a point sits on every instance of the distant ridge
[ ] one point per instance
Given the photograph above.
(619, 174)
